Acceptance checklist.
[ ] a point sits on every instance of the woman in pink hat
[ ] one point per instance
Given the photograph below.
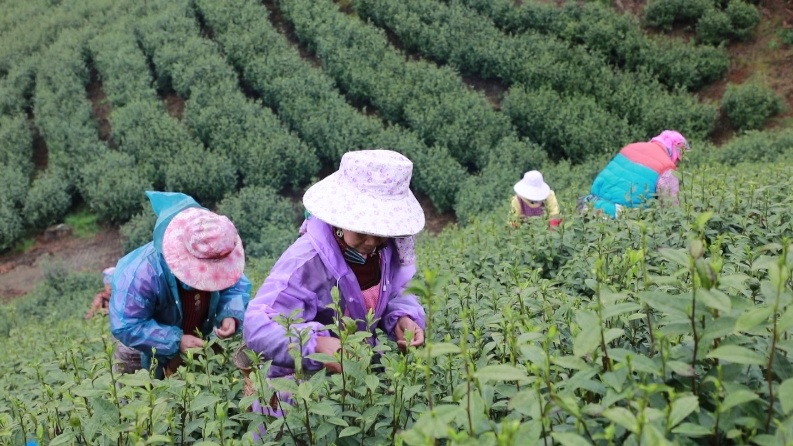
(639, 172)
(358, 239)
(534, 198)
(184, 285)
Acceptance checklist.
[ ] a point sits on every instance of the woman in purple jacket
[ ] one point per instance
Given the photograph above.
(358, 239)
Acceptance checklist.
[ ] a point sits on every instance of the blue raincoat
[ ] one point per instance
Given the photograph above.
(145, 308)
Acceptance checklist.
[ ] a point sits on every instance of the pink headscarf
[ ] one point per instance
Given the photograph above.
(674, 143)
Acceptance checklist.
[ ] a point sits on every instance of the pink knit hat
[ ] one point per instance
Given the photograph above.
(203, 250)
(674, 143)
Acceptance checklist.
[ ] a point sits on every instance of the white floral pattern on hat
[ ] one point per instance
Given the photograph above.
(532, 186)
(369, 194)
(203, 250)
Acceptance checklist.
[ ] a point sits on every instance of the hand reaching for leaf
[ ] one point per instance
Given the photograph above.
(329, 346)
(190, 341)
(227, 328)
(407, 324)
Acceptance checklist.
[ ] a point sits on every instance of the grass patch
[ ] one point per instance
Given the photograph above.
(24, 245)
(83, 223)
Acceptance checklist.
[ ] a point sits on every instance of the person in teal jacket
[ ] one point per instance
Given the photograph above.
(639, 172)
(184, 285)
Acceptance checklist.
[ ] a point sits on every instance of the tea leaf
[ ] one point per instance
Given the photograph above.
(677, 256)
(570, 439)
(202, 402)
(737, 354)
(681, 408)
(752, 318)
(587, 341)
(691, 430)
(623, 417)
(715, 299)
(501, 372)
(442, 348)
(786, 395)
(736, 398)
(349, 431)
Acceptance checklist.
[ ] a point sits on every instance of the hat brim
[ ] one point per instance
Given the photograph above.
(532, 193)
(343, 207)
(201, 274)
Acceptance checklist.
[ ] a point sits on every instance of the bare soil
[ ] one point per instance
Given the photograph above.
(174, 104)
(40, 151)
(100, 107)
(19, 273)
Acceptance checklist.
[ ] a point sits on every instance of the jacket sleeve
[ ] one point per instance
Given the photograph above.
(136, 290)
(401, 304)
(552, 205)
(514, 211)
(668, 187)
(234, 301)
(294, 285)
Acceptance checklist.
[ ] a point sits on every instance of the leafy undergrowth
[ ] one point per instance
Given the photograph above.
(668, 326)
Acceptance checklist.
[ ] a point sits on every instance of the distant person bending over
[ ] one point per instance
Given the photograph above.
(358, 238)
(187, 282)
(534, 198)
(639, 172)
(102, 298)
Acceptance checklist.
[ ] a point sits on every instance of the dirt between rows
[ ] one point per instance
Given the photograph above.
(19, 273)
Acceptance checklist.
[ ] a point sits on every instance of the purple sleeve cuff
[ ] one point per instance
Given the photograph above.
(668, 187)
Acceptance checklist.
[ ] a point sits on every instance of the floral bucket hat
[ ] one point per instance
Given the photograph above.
(203, 250)
(532, 187)
(369, 194)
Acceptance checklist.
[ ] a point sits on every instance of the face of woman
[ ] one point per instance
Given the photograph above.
(534, 203)
(363, 243)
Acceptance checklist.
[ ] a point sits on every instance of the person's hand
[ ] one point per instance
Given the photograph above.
(407, 324)
(329, 345)
(555, 222)
(190, 341)
(227, 328)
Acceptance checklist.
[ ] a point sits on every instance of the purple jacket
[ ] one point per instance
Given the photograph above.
(303, 278)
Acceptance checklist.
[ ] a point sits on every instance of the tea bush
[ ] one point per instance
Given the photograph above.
(48, 199)
(714, 27)
(617, 37)
(756, 146)
(749, 105)
(666, 13)
(307, 99)
(744, 18)
(266, 222)
(16, 144)
(138, 230)
(736, 22)
(545, 116)
(112, 187)
(11, 224)
(668, 326)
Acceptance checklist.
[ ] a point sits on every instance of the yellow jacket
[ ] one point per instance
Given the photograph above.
(551, 208)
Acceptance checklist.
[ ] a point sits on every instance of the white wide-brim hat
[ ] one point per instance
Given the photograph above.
(369, 194)
(532, 187)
